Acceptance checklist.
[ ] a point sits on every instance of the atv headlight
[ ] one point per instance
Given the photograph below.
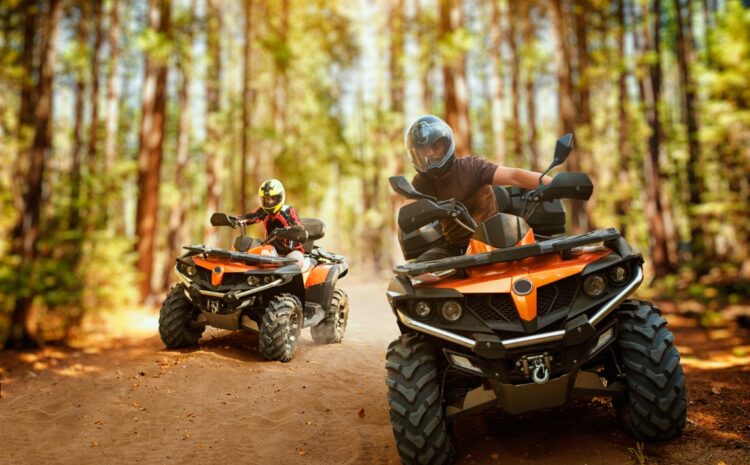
(253, 280)
(191, 270)
(451, 310)
(618, 274)
(422, 309)
(594, 286)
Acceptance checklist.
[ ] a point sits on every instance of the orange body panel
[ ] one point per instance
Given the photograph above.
(318, 275)
(498, 278)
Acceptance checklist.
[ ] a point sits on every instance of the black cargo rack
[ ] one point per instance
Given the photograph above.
(510, 254)
(253, 259)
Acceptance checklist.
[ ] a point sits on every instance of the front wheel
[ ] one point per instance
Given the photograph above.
(280, 328)
(175, 318)
(655, 405)
(416, 403)
(331, 329)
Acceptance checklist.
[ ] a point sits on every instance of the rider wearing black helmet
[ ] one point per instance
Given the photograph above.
(432, 148)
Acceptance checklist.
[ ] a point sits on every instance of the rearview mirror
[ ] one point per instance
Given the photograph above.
(221, 219)
(402, 186)
(562, 149)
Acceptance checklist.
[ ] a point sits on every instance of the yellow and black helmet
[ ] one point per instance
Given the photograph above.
(271, 194)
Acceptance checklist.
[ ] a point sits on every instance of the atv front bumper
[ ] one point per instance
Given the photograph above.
(493, 347)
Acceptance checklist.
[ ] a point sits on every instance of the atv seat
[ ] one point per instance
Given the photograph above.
(315, 230)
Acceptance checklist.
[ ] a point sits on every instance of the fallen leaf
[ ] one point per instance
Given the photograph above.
(308, 422)
(191, 414)
(300, 451)
(136, 404)
(361, 413)
(186, 436)
(94, 443)
(716, 390)
(98, 422)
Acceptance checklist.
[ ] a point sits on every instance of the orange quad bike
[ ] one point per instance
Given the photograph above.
(252, 288)
(527, 318)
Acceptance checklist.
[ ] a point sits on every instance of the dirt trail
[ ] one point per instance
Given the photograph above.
(127, 400)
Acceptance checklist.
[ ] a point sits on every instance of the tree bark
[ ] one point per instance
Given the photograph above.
(622, 205)
(151, 147)
(113, 111)
(397, 31)
(213, 108)
(529, 39)
(178, 214)
(566, 107)
(515, 82)
(652, 94)
(23, 330)
(685, 60)
(247, 110)
(74, 216)
(454, 79)
(95, 214)
(496, 82)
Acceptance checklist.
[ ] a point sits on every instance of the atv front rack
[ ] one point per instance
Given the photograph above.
(508, 255)
(252, 259)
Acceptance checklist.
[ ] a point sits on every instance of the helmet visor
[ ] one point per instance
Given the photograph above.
(430, 145)
(270, 201)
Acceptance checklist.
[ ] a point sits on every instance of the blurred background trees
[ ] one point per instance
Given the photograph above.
(124, 124)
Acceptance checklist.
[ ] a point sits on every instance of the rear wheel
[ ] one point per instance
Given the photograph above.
(332, 328)
(280, 328)
(175, 318)
(655, 405)
(416, 404)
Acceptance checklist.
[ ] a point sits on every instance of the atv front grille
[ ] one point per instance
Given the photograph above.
(228, 281)
(493, 307)
(556, 295)
(500, 307)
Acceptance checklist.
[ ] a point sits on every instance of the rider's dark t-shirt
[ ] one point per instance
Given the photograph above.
(470, 182)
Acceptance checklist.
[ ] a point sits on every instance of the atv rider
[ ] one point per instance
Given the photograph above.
(431, 147)
(275, 214)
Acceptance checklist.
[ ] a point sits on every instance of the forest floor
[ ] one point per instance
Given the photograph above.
(121, 398)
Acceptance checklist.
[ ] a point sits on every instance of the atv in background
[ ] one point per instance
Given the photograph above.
(254, 289)
(527, 318)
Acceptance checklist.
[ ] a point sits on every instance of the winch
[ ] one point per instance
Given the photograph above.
(536, 366)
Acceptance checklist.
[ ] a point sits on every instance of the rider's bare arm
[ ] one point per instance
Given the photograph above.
(518, 177)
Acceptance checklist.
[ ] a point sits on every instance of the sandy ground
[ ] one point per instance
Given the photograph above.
(125, 400)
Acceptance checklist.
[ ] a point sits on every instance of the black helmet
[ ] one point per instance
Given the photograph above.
(430, 145)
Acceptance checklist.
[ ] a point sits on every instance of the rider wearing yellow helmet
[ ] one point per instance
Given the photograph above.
(274, 214)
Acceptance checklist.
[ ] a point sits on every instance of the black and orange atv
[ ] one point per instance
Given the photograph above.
(524, 320)
(252, 288)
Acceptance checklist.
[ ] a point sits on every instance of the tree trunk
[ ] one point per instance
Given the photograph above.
(151, 146)
(213, 107)
(515, 89)
(27, 102)
(529, 40)
(584, 128)
(685, 60)
(178, 213)
(397, 31)
(113, 113)
(74, 216)
(23, 331)
(652, 90)
(247, 109)
(95, 214)
(496, 82)
(566, 106)
(454, 80)
(622, 205)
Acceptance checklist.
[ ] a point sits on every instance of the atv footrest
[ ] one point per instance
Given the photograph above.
(509, 254)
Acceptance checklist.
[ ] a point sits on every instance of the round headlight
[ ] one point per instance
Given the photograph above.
(253, 281)
(267, 279)
(422, 309)
(618, 274)
(594, 286)
(451, 310)
(191, 270)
